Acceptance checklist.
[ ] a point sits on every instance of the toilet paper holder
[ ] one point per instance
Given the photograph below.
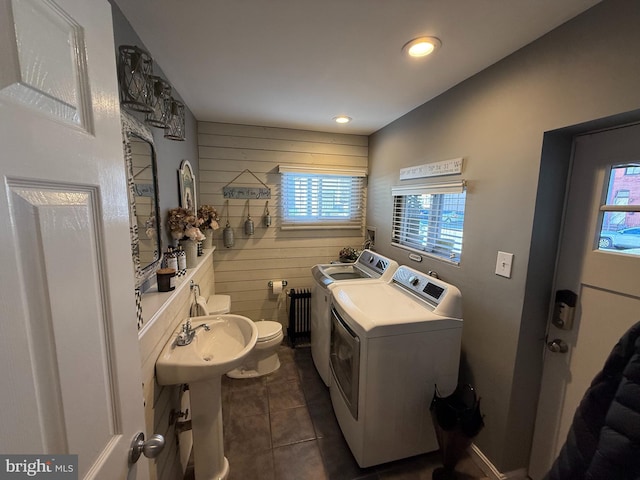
(284, 283)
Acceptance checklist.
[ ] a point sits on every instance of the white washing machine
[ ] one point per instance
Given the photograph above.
(369, 266)
(391, 343)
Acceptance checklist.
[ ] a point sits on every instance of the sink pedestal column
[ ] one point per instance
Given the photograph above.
(206, 420)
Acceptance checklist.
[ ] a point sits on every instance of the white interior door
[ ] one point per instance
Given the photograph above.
(605, 280)
(68, 345)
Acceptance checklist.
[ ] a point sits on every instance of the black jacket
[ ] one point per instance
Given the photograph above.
(604, 439)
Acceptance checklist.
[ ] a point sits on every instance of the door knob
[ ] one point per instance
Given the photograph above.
(558, 346)
(151, 448)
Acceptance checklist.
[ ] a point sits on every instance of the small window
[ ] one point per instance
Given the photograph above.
(633, 170)
(322, 198)
(430, 219)
(620, 227)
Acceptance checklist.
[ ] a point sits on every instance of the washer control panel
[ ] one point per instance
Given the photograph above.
(424, 286)
(373, 261)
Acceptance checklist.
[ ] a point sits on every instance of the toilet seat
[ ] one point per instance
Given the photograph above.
(268, 330)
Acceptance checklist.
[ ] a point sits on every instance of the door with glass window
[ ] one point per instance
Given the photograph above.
(599, 263)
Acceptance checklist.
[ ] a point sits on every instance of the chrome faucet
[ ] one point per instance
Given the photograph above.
(185, 337)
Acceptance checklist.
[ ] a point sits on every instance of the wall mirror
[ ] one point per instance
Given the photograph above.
(144, 216)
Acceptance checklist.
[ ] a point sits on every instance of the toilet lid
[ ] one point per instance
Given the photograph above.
(218, 304)
(268, 330)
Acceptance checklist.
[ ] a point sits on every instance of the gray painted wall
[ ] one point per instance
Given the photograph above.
(499, 121)
(170, 153)
(159, 401)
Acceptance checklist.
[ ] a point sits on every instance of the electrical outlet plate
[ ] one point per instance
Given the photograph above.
(504, 263)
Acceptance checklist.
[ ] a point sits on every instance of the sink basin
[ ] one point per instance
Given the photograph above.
(211, 353)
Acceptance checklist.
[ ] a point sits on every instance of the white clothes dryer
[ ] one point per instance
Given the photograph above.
(391, 343)
(369, 266)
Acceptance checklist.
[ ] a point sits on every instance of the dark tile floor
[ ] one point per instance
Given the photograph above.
(282, 427)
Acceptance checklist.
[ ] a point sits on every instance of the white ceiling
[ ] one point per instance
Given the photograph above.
(299, 63)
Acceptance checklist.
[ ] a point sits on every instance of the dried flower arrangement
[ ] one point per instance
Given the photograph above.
(349, 254)
(209, 217)
(183, 225)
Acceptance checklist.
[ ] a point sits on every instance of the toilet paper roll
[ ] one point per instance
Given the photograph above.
(277, 287)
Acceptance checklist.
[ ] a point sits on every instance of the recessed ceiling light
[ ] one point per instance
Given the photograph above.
(342, 119)
(421, 47)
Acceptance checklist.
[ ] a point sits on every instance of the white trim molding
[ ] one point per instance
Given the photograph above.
(491, 471)
(323, 170)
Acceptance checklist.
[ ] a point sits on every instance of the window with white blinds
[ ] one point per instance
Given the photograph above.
(429, 219)
(322, 198)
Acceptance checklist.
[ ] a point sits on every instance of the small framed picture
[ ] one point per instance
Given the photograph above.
(187, 182)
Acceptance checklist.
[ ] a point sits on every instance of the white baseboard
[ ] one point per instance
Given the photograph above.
(491, 471)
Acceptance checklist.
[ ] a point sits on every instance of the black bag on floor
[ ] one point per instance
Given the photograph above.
(456, 420)
(460, 410)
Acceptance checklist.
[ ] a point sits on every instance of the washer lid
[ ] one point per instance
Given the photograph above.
(268, 330)
(369, 266)
(381, 309)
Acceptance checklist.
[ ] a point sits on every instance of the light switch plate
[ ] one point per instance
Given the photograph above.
(504, 264)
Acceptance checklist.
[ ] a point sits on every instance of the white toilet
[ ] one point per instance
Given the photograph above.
(218, 304)
(263, 359)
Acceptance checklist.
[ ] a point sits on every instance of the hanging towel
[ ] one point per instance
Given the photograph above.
(199, 308)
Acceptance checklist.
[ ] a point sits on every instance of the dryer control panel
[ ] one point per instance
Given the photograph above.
(420, 284)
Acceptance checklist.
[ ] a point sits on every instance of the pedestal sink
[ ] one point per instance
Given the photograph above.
(214, 350)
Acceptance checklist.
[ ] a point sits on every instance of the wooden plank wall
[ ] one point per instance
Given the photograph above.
(243, 272)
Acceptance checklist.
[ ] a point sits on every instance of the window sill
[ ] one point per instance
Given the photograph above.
(426, 254)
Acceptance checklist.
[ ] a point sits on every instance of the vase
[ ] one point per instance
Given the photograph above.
(208, 240)
(190, 248)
